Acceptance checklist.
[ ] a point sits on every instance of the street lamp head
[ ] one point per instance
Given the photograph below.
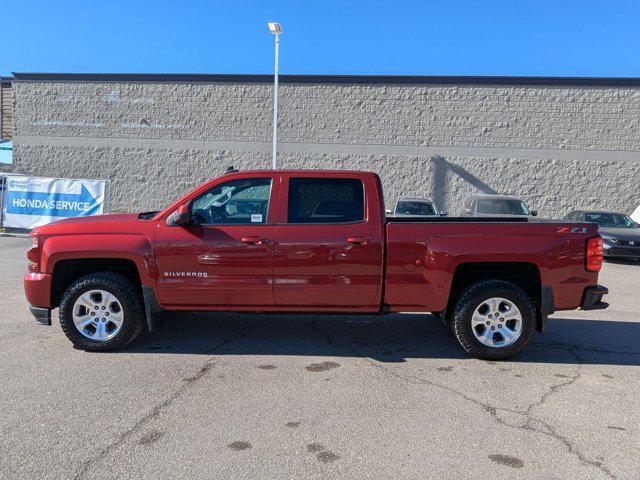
(275, 28)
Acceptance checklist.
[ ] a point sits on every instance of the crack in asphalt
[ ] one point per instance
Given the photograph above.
(530, 421)
(155, 411)
(188, 383)
(551, 431)
(570, 347)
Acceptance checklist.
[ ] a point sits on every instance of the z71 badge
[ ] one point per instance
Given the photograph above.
(572, 229)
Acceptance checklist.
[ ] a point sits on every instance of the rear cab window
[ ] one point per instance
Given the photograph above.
(325, 200)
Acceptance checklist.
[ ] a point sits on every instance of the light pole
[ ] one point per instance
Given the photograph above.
(276, 30)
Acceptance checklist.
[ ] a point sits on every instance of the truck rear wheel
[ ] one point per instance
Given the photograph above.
(101, 312)
(494, 319)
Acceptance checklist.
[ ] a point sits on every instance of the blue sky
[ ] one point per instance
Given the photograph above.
(5, 154)
(490, 37)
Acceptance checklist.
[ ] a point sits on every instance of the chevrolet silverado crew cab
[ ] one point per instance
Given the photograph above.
(309, 241)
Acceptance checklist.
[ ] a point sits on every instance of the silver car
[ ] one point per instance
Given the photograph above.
(496, 206)
(416, 207)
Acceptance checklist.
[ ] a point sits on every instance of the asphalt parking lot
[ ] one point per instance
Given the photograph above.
(284, 397)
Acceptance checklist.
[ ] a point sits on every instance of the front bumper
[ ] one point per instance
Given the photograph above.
(620, 251)
(43, 315)
(37, 289)
(592, 298)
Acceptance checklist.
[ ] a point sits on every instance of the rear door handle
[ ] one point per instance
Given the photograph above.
(255, 240)
(358, 240)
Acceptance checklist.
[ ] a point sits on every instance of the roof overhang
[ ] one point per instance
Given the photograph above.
(325, 79)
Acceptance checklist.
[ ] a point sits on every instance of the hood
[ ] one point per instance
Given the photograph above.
(72, 225)
(413, 215)
(503, 215)
(118, 217)
(627, 234)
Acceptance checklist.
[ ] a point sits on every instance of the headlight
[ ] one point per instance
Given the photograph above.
(33, 254)
(609, 239)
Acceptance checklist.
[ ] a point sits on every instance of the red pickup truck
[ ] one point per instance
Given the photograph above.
(309, 241)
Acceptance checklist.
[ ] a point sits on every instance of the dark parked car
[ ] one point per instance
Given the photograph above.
(416, 207)
(621, 234)
(496, 206)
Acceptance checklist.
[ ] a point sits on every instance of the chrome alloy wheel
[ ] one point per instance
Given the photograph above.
(98, 315)
(496, 322)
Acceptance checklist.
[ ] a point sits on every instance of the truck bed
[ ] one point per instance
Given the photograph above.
(423, 255)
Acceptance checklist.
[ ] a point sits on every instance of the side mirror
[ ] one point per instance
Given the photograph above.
(388, 212)
(467, 211)
(443, 213)
(534, 213)
(180, 217)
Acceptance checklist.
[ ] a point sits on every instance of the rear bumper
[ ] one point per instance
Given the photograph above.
(592, 298)
(43, 315)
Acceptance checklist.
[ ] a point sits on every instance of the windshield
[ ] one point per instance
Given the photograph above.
(502, 206)
(610, 220)
(415, 208)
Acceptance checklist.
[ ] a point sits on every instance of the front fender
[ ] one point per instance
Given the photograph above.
(135, 247)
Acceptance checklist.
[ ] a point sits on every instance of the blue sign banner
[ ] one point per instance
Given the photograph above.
(52, 204)
(30, 202)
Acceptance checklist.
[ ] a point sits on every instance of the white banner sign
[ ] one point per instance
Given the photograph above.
(30, 202)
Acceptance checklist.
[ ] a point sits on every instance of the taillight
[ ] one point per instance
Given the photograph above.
(33, 255)
(594, 254)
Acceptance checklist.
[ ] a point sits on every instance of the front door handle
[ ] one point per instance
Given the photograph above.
(210, 259)
(358, 240)
(255, 240)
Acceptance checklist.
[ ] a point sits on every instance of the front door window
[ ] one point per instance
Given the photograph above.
(238, 202)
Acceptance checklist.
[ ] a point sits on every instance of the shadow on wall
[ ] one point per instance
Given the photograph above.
(439, 180)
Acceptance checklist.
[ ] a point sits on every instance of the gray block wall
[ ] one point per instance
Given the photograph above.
(557, 147)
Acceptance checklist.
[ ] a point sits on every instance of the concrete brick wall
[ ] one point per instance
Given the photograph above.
(558, 147)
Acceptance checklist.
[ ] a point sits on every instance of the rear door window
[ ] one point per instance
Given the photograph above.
(325, 200)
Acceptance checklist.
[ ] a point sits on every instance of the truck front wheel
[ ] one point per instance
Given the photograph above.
(494, 319)
(101, 312)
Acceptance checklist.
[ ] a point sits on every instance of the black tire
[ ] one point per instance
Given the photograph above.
(471, 298)
(127, 294)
